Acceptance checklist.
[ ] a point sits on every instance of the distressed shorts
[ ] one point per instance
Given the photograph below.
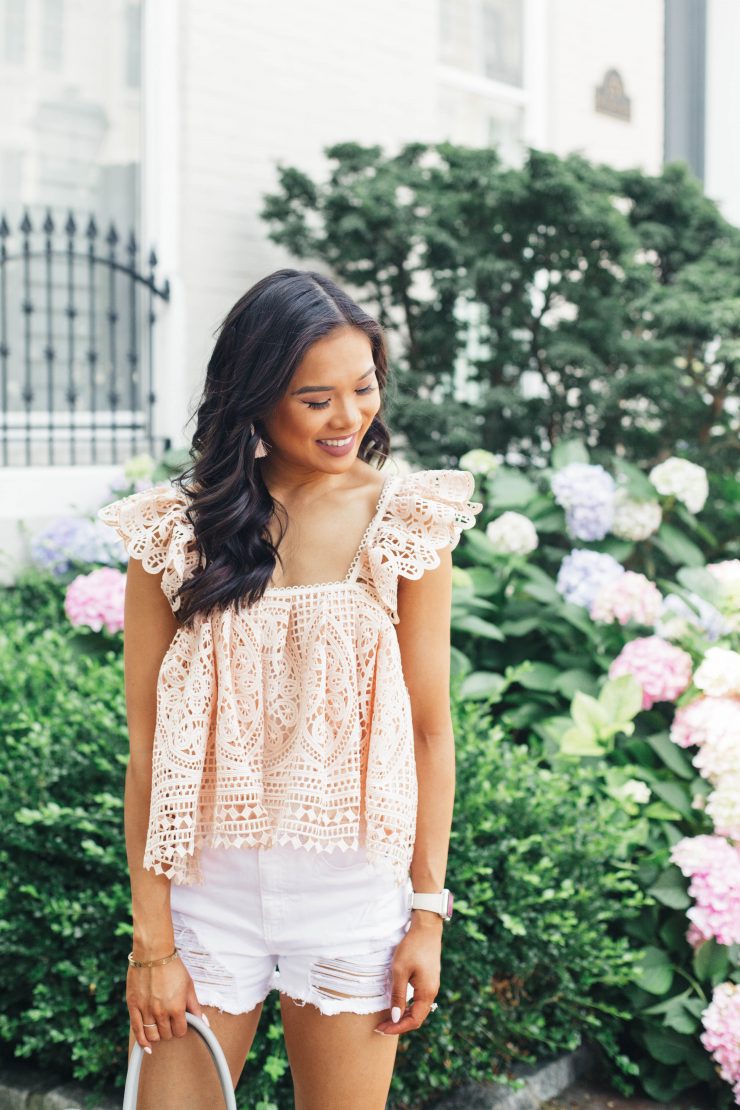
(321, 927)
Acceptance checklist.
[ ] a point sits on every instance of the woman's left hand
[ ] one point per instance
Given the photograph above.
(417, 960)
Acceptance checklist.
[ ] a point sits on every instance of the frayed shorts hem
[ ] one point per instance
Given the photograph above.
(341, 1006)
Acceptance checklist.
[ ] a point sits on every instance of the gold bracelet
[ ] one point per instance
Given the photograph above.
(152, 963)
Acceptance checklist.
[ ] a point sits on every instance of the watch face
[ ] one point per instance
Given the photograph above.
(449, 903)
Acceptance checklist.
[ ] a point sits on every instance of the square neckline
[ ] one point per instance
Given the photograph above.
(379, 508)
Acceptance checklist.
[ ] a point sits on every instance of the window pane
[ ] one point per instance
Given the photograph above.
(501, 26)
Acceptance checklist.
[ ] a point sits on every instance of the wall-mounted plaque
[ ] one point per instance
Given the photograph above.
(610, 97)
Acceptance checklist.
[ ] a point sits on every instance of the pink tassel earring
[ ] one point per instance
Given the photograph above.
(260, 450)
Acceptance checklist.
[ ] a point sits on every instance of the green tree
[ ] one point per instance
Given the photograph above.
(581, 300)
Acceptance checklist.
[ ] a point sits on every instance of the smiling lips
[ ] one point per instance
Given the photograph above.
(337, 442)
(338, 446)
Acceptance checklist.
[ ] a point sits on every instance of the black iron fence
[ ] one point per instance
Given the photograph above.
(77, 351)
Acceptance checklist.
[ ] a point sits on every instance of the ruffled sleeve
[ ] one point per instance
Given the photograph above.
(426, 511)
(154, 528)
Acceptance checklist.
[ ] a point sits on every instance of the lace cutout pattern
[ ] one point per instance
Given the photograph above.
(289, 721)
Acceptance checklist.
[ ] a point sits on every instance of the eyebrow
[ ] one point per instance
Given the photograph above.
(322, 388)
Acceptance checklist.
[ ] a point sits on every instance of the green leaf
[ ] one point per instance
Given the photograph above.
(568, 683)
(677, 547)
(710, 961)
(540, 676)
(639, 487)
(655, 971)
(588, 714)
(670, 889)
(512, 924)
(567, 451)
(701, 581)
(666, 1046)
(671, 755)
(673, 794)
(539, 585)
(482, 684)
(477, 627)
(575, 742)
(621, 698)
(659, 811)
(521, 627)
(552, 729)
(480, 547)
(511, 490)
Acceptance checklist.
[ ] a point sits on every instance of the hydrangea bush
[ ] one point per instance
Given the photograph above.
(603, 623)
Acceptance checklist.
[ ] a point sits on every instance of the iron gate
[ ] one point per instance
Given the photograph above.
(77, 319)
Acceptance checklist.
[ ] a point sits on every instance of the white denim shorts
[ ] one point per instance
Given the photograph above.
(321, 927)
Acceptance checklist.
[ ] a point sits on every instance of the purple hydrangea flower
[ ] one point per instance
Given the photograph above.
(582, 574)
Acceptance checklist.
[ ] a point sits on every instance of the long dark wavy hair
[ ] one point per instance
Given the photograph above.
(259, 345)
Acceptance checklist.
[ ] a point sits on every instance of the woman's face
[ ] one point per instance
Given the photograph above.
(333, 395)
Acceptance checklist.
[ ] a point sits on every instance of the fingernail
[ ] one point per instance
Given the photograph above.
(381, 1032)
(396, 1013)
(147, 1049)
(205, 1020)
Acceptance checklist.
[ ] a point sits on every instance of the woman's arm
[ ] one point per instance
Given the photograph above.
(424, 638)
(149, 626)
(423, 632)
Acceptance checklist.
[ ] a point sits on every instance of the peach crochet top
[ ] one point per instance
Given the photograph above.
(289, 721)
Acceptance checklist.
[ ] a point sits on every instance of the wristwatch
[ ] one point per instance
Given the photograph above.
(440, 903)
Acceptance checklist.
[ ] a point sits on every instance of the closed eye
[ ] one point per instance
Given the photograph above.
(323, 404)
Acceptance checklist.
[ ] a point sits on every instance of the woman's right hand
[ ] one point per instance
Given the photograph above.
(157, 999)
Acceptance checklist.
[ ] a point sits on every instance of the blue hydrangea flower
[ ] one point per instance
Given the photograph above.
(588, 494)
(708, 619)
(70, 540)
(589, 522)
(582, 573)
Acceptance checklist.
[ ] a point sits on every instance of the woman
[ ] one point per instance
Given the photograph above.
(290, 786)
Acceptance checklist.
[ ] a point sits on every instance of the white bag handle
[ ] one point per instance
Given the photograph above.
(137, 1054)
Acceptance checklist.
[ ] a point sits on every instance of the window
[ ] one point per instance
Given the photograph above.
(52, 34)
(14, 28)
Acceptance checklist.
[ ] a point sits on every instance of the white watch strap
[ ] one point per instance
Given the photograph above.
(436, 902)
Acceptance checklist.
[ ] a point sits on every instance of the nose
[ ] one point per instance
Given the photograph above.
(348, 418)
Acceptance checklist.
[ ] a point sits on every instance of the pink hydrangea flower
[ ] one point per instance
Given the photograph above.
(721, 1036)
(706, 718)
(631, 597)
(713, 865)
(95, 600)
(662, 669)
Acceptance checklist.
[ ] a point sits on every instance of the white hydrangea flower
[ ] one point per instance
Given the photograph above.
(635, 520)
(636, 790)
(719, 673)
(512, 533)
(685, 480)
(719, 757)
(479, 461)
(723, 807)
(727, 573)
